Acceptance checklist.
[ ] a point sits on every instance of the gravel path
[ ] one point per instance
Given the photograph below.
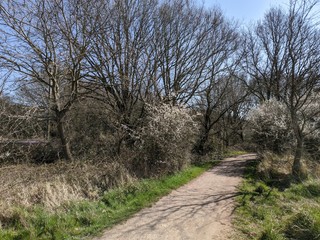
(201, 209)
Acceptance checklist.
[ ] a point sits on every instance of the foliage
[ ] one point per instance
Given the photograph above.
(166, 140)
(271, 126)
(272, 130)
(92, 82)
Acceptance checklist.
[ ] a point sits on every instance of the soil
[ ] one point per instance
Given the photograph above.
(202, 209)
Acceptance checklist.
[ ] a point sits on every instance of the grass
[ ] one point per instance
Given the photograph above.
(232, 153)
(78, 200)
(53, 184)
(270, 212)
(79, 219)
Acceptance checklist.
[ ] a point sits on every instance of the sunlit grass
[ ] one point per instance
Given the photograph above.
(266, 212)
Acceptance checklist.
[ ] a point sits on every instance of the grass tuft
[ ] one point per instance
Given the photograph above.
(304, 225)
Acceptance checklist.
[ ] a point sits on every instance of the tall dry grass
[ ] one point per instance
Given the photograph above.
(51, 185)
(276, 166)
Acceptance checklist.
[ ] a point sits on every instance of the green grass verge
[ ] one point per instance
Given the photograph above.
(78, 220)
(267, 213)
(233, 153)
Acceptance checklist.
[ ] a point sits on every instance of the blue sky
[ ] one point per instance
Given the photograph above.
(244, 10)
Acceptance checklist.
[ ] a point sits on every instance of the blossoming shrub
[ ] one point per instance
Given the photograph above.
(310, 114)
(166, 140)
(270, 125)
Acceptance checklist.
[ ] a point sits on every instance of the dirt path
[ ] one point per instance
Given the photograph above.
(202, 209)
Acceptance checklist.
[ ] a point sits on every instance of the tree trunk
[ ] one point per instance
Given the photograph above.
(297, 170)
(64, 140)
(200, 148)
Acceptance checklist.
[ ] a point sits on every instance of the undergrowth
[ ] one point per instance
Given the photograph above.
(269, 211)
(79, 219)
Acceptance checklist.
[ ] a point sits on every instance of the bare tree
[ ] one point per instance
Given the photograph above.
(45, 43)
(283, 62)
(182, 49)
(265, 55)
(119, 60)
(230, 128)
(214, 99)
(302, 72)
(3, 81)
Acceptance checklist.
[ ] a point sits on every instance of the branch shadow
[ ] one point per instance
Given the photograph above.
(233, 167)
(189, 205)
(180, 209)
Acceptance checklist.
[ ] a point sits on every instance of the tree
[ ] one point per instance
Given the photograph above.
(181, 44)
(283, 62)
(119, 60)
(230, 128)
(218, 93)
(45, 44)
(148, 51)
(3, 81)
(265, 55)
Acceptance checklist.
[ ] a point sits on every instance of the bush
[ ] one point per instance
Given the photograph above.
(312, 146)
(166, 140)
(272, 129)
(27, 151)
(271, 126)
(92, 130)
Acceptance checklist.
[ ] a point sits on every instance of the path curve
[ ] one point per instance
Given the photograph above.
(201, 209)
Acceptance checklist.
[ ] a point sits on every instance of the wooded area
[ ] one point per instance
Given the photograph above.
(153, 84)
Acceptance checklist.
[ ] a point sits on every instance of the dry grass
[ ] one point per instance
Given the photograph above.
(273, 164)
(51, 185)
(314, 168)
(81, 219)
(277, 166)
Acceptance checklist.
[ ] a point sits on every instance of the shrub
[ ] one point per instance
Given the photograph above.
(92, 130)
(27, 151)
(166, 140)
(312, 146)
(271, 126)
(272, 129)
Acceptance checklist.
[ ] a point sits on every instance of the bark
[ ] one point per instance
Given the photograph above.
(204, 137)
(297, 170)
(200, 149)
(66, 150)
